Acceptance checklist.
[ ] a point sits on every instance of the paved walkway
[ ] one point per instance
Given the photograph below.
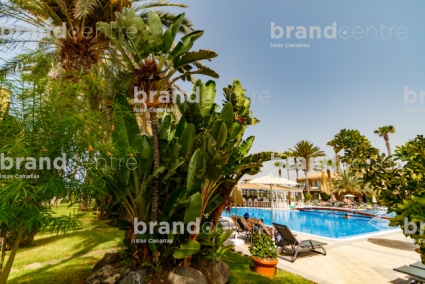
(365, 260)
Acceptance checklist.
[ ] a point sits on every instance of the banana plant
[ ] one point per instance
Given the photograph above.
(152, 60)
(131, 175)
(221, 154)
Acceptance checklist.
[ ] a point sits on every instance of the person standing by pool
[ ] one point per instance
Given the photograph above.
(345, 200)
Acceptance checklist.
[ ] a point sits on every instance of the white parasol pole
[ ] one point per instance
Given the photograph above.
(236, 241)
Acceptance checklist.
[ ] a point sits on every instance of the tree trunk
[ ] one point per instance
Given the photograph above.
(3, 249)
(337, 163)
(329, 177)
(154, 123)
(287, 166)
(144, 120)
(280, 172)
(296, 169)
(387, 142)
(5, 273)
(306, 182)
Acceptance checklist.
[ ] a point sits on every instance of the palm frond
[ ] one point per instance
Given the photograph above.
(84, 8)
(156, 4)
(24, 62)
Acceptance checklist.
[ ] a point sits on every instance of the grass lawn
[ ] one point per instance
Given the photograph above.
(243, 271)
(47, 247)
(79, 251)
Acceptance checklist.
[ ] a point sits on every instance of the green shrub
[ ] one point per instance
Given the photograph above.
(263, 246)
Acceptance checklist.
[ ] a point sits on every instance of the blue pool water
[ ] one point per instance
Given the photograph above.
(319, 222)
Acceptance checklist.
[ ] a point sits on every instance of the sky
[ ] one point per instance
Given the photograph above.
(350, 81)
(356, 79)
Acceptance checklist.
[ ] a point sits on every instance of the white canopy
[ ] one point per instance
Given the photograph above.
(272, 180)
(349, 195)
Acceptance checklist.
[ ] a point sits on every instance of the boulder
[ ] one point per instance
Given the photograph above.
(105, 275)
(219, 272)
(133, 276)
(108, 258)
(186, 275)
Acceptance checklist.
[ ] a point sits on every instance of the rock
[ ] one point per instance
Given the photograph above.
(219, 272)
(105, 275)
(133, 276)
(108, 258)
(33, 265)
(186, 275)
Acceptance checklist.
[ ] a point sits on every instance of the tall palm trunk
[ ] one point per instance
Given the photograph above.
(296, 169)
(144, 120)
(287, 166)
(337, 163)
(155, 193)
(387, 142)
(329, 177)
(306, 182)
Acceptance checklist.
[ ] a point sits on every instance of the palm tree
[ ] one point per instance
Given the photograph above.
(278, 165)
(328, 164)
(81, 47)
(307, 151)
(350, 183)
(383, 132)
(296, 165)
(287, 154)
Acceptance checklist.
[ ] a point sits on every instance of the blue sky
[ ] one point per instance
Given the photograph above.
(334, 84)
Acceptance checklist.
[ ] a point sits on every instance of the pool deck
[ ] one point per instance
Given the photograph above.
(363, 260)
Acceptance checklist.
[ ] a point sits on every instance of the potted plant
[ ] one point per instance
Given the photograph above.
(264, 254)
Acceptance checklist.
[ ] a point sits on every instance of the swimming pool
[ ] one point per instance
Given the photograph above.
(318, 222)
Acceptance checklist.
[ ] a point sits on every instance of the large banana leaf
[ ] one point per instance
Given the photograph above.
(126, 137)
(186, 139)
(194, 209)
(190, 247)
(203, 71)
(156, 30)
(190, 57)
(227, 115)
(185, 44)
(195, 166)
(171, 33)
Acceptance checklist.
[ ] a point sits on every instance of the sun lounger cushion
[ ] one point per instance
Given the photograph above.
(315, 243)
(417, 272)
(418, 265)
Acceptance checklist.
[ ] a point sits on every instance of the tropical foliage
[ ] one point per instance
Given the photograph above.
(307, 152)
(263, 246)
(73, 40)
(401, 190)
(383, 132)
(350, 183)
(37, 129)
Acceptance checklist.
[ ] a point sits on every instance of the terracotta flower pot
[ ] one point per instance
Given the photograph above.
(266, 268)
